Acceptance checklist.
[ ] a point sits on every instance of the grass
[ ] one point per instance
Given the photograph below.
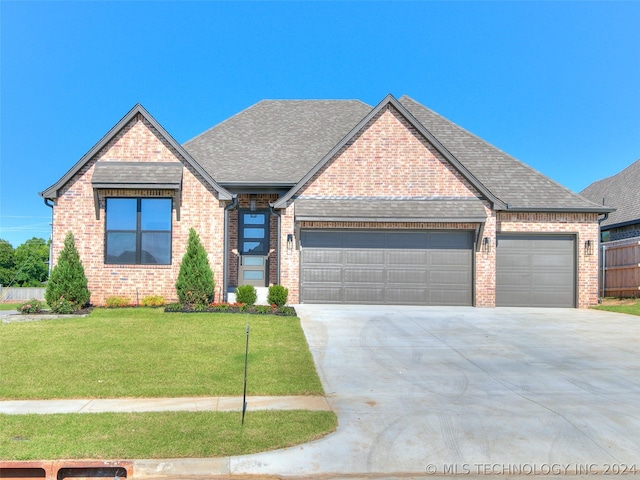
(629, 307)
(157, 435)
(9, 306)
(144, 352)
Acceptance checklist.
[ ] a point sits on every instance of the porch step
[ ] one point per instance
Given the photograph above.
(263, 293)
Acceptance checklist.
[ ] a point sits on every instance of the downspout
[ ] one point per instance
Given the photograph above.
(50, 205)
(225, 246)
(273, 212)
(604, 251)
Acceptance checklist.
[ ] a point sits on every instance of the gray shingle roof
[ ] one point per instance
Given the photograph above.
(621, 191)
(137, 174)
(390, 210)
(513, 182)
(274, 141)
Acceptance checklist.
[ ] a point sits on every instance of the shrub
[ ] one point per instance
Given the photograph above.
(117, 302)
(246, 294)
(32, 306)
(64, 306)
(195, 285)
(67, 285)
(153, 301)
(278, 295)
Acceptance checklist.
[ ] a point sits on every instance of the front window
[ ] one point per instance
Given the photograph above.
(138, 231)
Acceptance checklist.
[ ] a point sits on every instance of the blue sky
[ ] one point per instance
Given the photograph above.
(555, 84)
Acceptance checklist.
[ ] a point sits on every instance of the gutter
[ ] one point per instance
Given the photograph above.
(225, 247)
(50, 205)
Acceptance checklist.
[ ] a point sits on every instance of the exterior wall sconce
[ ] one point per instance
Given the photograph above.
(252, 205)
(588, 247)
(289, 242)
(486, 244)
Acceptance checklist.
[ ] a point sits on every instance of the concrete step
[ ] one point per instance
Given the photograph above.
(263, 293)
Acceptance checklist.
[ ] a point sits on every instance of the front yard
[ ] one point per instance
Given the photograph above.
(145, 352)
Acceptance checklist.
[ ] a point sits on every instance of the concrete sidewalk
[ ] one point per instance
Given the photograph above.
(191, 404)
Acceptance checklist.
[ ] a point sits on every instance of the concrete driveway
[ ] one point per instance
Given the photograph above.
(470, 391)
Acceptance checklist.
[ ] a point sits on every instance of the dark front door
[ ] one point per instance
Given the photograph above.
(253, 241)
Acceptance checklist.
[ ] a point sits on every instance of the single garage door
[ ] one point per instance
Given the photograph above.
(536, 271)
(386, 267)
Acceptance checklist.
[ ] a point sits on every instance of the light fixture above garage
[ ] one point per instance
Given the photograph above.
(486, 244)
(588, 247)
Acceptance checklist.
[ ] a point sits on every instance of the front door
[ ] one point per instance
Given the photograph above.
(253, 242)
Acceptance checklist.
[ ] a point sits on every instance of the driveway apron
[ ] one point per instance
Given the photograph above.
(446, 390)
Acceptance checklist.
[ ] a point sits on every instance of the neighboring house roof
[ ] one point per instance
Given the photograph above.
(53, 190)
(621, 191)
(274, 141)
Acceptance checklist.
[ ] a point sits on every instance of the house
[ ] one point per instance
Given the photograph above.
(338, 201)
(622, 192)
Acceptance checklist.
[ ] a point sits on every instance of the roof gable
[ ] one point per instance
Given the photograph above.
(52, 191)
(621, 191)
(390, 101)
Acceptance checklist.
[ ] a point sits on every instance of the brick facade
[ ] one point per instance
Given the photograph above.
(583, 225)
(387, 159)
(74, 211)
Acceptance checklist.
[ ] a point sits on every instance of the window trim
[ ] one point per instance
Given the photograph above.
(139, 232)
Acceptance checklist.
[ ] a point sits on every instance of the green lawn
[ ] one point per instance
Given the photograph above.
(145, 352)
(632, 308)
(9, 306)
(157, 435)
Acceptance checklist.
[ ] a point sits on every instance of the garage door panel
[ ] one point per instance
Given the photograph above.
(449, 277)
(326, 256)
(448, 296)
(407, 257)
(363, 275)
(407, 276)
(381, 267)
(364, 294)
(449, 258)
(407, 296)
(324, 274)
(536, 270)
(324, 294)
(364, 257)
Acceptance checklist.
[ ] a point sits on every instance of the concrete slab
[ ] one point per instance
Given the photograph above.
(469, 391)
(192, 404)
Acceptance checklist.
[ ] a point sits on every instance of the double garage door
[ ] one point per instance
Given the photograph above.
(387, 267)
(433, 268)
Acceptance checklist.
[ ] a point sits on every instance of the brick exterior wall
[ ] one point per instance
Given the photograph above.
(74, 211)
(389, 158)
(583, 225)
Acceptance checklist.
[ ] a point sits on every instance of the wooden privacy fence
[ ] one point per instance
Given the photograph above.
(20, 294)
(620, 268)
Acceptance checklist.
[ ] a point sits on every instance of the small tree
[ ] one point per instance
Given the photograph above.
(67, 290)
(195, 285)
